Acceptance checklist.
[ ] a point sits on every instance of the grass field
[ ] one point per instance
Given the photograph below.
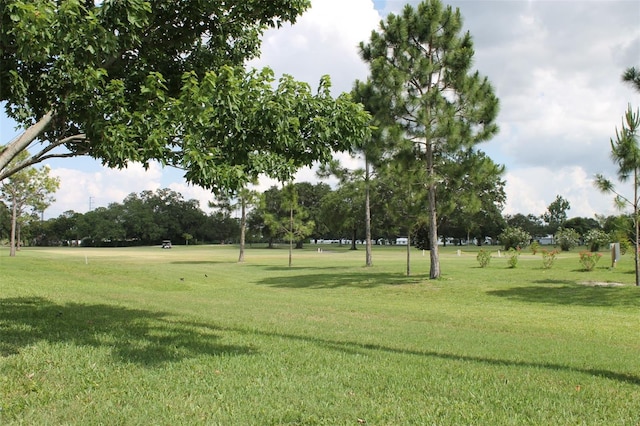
(139, 336)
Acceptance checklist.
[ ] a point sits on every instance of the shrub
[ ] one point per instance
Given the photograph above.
(567, 238)
(595, 239)
(548, 258)
(625, 245)
(623, 239)
(589, 260)
(484, 257)
(513, 237)
(535, 247)
(512, 257)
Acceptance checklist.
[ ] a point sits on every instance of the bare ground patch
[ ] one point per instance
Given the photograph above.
(601, 284)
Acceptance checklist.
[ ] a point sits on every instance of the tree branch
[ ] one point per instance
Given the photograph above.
(23, 141)
(42, 155)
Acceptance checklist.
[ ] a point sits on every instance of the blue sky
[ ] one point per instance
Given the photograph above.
(555, 65)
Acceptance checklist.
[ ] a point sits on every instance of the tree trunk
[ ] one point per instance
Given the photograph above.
(291, 236)
(409, 254)
(354, 233)
(637, 225)
(434, 270)
(243, 225)
(367, 219)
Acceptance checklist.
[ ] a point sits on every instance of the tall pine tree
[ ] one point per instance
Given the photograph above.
(420, 64)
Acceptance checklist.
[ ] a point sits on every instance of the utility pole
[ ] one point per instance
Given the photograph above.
(90, 202)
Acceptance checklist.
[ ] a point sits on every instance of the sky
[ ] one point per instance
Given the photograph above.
(556, 67)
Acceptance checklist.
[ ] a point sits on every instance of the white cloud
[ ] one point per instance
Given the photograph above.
(323, 41)
(81, 190)
(192, 192)
(532, 189)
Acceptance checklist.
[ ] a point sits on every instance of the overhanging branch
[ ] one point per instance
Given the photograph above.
(44, 155)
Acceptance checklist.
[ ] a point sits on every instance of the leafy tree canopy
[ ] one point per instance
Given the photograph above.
(139, 81)
(556, 214)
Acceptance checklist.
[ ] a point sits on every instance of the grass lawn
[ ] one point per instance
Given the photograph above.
(188, 336)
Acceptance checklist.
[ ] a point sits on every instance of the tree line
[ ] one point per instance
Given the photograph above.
(320, 213)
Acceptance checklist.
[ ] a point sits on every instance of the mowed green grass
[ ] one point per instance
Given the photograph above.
(189, 336)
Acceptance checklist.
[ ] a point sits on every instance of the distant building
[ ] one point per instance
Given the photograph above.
(545, 241)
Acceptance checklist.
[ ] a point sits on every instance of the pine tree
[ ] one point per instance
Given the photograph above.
(420, 64)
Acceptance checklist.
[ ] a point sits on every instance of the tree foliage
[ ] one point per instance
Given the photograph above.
(632, 76)
(471, 196)
(164, 80)
(420, 66)
(582, 225)
(146, 218)
(556, 214)
(30, 188)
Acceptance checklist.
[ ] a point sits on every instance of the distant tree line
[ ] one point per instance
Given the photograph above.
(141, 219)
(322, 212)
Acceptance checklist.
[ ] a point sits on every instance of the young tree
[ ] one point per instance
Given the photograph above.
(350, 205)
(372, 148)
(293, 224)
(420, 64)
(310, 197)
(30, 188)
(625, 152)
(163, 80)
(556, 214)
(245, 198)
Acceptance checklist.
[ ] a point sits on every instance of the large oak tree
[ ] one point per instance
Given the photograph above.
(136, 80)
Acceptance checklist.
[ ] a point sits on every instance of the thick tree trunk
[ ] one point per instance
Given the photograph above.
(434, 270)
(367, 220)
(243, 225)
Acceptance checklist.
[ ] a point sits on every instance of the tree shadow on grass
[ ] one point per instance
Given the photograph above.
(132, 335)
(357, 348)
(339, 279)
(582, 295)
(293, 268)
(550, 281)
